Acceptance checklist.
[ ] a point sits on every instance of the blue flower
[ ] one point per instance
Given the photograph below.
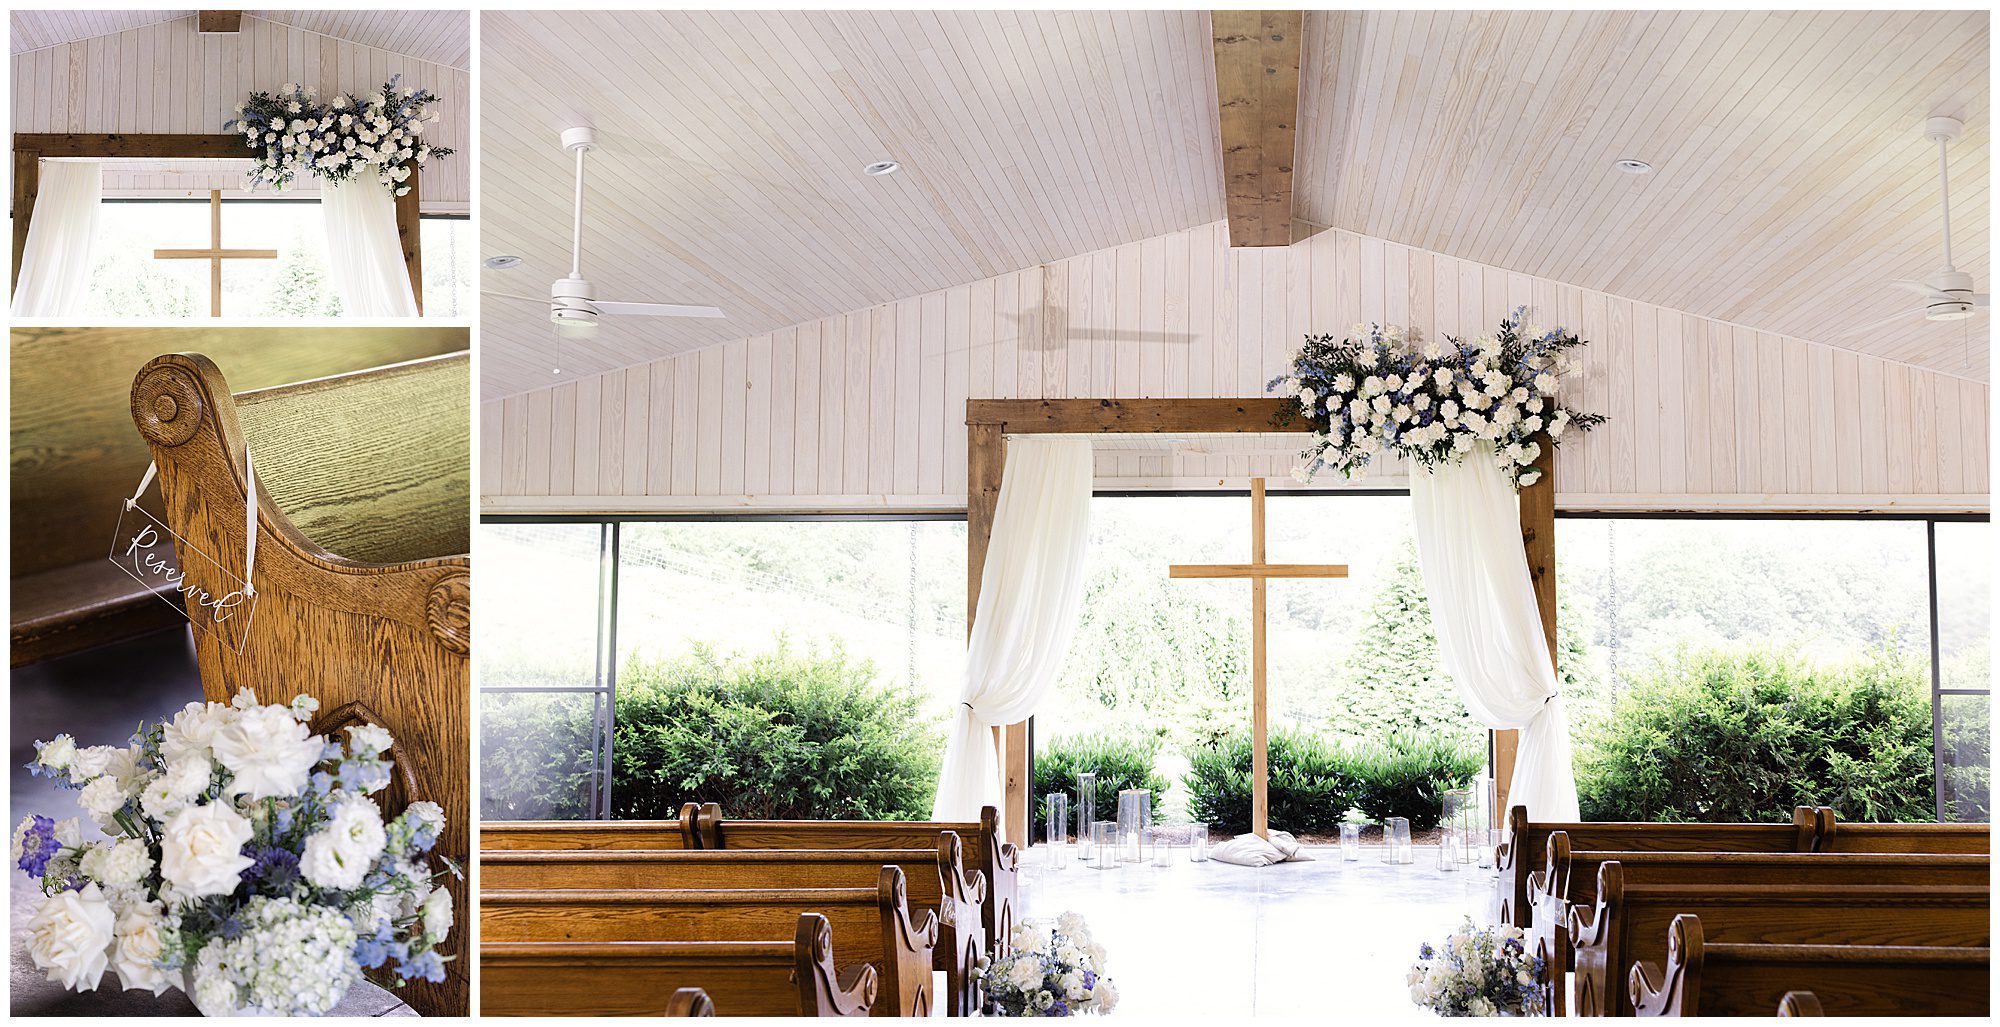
(427, 966)
(372, 950)
(38, 845)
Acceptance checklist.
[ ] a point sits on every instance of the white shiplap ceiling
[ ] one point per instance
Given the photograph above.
(440, 37)
(733, 144)
(1790, 178)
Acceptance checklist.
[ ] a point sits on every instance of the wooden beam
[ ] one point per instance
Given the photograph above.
(1257, 102)
(218, 21)
(1257, 570)
(1538, 540)
(1060, 416)
(215, 254)
(27, 185)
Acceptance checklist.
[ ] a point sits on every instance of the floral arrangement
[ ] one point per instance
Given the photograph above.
(341, 139)
(1377, 391)
(1055, 970)
(1481, 971)
(247, 863)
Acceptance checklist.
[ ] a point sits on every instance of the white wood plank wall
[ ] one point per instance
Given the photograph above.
(865, 410)
(166, 77)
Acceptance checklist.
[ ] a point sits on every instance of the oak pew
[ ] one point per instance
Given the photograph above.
(1518, 856)
(1835, 835)
(549, 835)
(870, 925)
(937, 881)
(640, 978)
(1800, 1003)
(1628, 923)
(690, 1002)
(997, 860)
(361, 583)
(1703, 978)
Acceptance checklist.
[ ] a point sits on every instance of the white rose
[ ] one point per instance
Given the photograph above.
(1545, 383)
(70, 937)
(136, 955)
(437, 916)
(268, 752)
(57, 753)
(1026, 973)
(91, 761)
(338, 855)
(1106, 995)
(1442, 376)
(201, 850)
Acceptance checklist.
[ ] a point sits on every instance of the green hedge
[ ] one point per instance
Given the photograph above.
(1749, 734)
(1314, 783)
(782, 734)
(1119, 763)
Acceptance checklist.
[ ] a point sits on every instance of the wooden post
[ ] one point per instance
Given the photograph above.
(27, 185)
(986, 460)
(1538, 540)
(410, 229)
(1260, 757)
(1257, 109)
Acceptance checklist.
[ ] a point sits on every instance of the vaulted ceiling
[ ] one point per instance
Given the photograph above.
(441, 37)
(1790, 178)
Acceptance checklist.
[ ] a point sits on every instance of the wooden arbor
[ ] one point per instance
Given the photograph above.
(990, 421)
(30, 148)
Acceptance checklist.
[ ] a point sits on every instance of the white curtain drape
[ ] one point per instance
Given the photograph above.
(55, 267)
(1489, 630)
(364, 253)
(1029, 594)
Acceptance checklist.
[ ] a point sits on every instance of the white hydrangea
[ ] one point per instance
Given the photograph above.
(290, 959)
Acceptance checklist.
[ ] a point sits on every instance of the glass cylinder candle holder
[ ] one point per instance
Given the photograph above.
(1198, 843)
(1131, 821)
(1461, 824)
(1058, 830)
(1449, 846)
(1104, 845)
(1397, 833)
(1350, 842)
(1162, 845)
(1086, 813)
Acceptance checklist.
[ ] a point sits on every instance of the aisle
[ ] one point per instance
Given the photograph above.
(1296, 939)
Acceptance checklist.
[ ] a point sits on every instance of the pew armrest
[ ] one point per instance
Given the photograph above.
(1800, 1003)
(690, 1002)
(1678, 992)
(909, 942)
(823, 991)
(1592, 943)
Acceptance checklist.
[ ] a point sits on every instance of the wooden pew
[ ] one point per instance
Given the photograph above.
(1800, 1003)
(937, 881)
(362, 588)
(549, 835)
(1702, 978)
(690, 1002)
(1835, 836)
(1519, 855)
(74, 459)
(997, 860)
(1628, 923)
(871, 925)
(638, 978)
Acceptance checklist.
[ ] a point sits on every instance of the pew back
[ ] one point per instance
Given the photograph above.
(1835, 836)
(1722, 979)
(553, 835)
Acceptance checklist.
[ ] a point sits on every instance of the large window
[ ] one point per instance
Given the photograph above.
(809, 640)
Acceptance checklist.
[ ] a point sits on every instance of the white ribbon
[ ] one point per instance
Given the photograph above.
(249, 515)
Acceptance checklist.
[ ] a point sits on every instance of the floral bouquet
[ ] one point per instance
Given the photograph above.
(1055, 970)
(1377, 391)
(340, 139)
(1482, 971)
(247, 863)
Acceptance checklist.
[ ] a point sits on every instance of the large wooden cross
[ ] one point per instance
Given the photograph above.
(215, 254)
(1259, 573)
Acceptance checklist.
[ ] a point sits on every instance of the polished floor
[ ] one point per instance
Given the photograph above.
(99, 696)
(1306, 939)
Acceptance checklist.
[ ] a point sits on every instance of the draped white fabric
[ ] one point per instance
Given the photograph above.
(1489, 629)
(364, 253)
(55, 267)
(1029, 594)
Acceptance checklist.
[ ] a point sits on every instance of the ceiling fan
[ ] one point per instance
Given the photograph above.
(1947, 293)
(573, 301)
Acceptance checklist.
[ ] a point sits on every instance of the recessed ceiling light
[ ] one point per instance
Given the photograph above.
(503, 262)
(881, 167)
(1632, 166)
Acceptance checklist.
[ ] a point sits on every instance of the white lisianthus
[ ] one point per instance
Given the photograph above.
(102, 797)
(437, 916)
(1382, 404)
(192, 731)
(267, 752)
(1371, 386)
(1545, 383)
(338, 855)
(1531, 425)
(369, 739)
(201, 850)
(1367, 357)
(70, 937)
(57, 753)
(136, 954)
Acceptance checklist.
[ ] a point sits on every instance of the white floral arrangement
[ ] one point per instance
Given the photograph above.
(1479, 971)
(246, 863)
(346, 137)
(1055, 969)
(1379, 391)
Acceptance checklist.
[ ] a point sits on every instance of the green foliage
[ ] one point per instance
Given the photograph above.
(534, 756)
(1119, 763)
(1967, 779)
(1395, 681)
(1750, 733)
(300, 286)
(1315, 783)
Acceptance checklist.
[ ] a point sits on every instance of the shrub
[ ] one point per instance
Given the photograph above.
(1749, 734)
(778, 735)
(1314, 783)
(535, 759)
(1408, 775)
(1119, 763)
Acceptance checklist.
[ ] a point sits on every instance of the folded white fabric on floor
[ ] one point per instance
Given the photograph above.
(1248, 850)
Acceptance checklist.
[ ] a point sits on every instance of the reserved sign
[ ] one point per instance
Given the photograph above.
(212, 598)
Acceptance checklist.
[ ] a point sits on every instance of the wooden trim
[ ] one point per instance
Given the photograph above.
(1538, 541)
(409, 228)
(218, 21)
(1257, 570)
(1257, 105)
(1772, 502)
(212, 254)
(27, 186)
(615, 506)
(1064, 416)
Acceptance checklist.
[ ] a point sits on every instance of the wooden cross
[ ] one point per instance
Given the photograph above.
(215, 254)
(1259, 573)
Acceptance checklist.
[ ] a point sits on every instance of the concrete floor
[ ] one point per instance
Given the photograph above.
(99, 696)
(1301, 939)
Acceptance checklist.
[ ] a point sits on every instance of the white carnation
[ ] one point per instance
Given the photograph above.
(338, 855)
(267, 752)
(102, 797)
(120, 864)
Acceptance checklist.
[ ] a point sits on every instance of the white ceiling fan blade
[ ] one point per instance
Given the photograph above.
(1907, 285)
(1905, 316)
(656, 309)
(543, 300)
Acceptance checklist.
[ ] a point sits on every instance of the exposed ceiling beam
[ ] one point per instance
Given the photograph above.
(1257, 99)
(218, 21)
